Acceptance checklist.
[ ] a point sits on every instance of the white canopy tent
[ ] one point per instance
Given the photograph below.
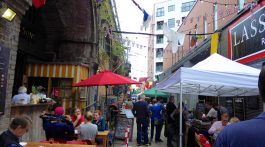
(214, 76)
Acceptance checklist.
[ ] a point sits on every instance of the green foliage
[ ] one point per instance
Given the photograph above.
(118, 49)
(34, 90)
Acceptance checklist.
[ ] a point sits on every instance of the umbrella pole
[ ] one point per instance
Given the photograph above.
(106, 95)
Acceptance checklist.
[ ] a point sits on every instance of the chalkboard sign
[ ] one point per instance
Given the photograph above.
(4, 58)
(121, 125)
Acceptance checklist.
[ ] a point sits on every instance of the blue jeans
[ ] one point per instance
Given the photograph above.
(142, 127)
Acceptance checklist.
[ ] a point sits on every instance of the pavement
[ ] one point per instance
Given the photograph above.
(120, 143)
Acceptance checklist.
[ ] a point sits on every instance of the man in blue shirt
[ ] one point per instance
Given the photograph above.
(156, 120)
(141, 112)
(249, 133)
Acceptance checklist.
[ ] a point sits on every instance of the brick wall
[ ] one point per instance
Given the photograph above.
(9, 33)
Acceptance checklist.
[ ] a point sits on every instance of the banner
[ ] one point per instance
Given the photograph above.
(214, 43)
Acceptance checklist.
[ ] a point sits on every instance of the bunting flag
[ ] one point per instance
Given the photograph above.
(214, 43)
(194, 39)
(147, 17)
(176, 38)
(38, 3)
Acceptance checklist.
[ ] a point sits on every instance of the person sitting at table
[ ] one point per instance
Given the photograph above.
(57, 127)
(17, 128)
(22, 97)
(88, 131)
(77, 118)
(218, 126)
(99, 121)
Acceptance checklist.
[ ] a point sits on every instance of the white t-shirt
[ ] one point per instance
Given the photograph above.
(212, 113)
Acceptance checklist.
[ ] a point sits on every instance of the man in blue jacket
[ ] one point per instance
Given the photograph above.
(156, 120)
(248, 133)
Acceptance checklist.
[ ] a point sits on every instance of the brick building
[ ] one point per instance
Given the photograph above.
(205, 17)
(52, 46)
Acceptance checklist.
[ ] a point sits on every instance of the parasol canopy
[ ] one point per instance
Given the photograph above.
(105, 78)
(154, 93)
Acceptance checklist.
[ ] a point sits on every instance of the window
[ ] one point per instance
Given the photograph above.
(241, 4)
(159, 25)
(171, 23)
(187, 6)
(215, 17)
(159, 67)
(159, 39)
(159, 53)
(160, 12)
(171, 8)
(205, 26)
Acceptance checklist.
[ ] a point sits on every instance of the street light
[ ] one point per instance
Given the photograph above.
(8, 14)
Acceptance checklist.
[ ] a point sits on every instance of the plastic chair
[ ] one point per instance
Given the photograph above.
(75, 142)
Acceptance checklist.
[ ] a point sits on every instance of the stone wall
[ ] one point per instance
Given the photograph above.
(9, 34)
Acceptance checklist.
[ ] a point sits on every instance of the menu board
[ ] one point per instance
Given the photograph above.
(122, 123)
(4, 58)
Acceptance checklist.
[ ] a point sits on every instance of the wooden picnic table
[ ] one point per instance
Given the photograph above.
(104, 136)
(40, 144)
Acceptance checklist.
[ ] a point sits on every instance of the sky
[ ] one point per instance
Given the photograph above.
(130, 18)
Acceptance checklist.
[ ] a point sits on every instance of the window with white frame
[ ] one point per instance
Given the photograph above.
(159, 25)
(171, 23)
(171, 8)
(241, 4)
(205, 26)
(185, 7)
(215, 7)
(160, 12)
(159, 39)
(159, 53)
(159, 67)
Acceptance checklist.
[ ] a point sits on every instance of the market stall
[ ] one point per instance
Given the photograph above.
(214, 76)
(58, 79)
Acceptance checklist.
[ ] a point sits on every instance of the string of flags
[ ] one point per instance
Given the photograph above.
(146, 18)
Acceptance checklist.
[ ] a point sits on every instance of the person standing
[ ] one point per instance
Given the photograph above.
(170, 107)
(141, 112)
(22, 97)
(156, 120)
(248, 133)
(17, 128)
(77, 119)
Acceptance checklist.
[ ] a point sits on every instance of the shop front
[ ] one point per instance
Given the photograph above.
(58, 80)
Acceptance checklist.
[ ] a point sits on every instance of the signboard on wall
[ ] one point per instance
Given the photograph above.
(246, 36)
(4, 58)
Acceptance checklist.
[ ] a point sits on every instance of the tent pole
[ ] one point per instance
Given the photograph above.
(180, 117)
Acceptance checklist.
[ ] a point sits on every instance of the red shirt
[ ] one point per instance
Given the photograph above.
(82, 119)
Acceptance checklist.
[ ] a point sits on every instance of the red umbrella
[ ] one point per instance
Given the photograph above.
(105, 78)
